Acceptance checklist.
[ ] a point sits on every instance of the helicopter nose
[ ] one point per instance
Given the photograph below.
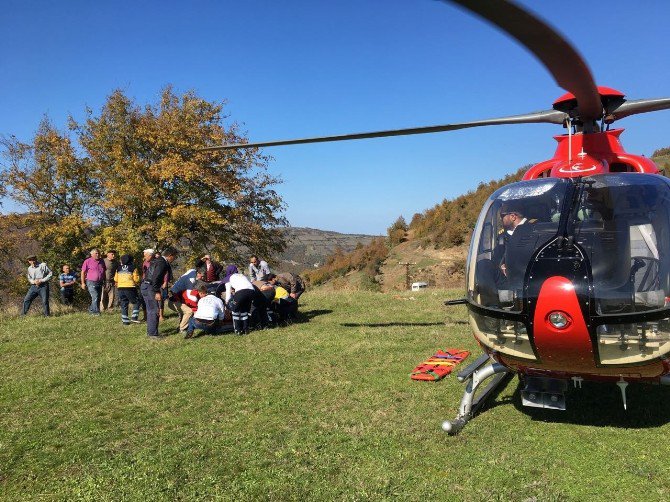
(561, 335)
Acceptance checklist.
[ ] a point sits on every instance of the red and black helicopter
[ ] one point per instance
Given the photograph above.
(578, 286)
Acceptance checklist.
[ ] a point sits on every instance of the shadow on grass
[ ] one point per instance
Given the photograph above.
(600, 405)
(308, 315)
(595, 405)
(397, 323)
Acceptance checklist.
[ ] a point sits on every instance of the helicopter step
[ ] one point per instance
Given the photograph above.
(543, 392)
(474, 376)
(467, 372)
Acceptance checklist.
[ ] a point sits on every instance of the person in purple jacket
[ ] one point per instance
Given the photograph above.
(92, 278)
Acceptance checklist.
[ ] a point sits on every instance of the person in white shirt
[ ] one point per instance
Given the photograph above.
(38, 277)
(239, 297)
(210, 315)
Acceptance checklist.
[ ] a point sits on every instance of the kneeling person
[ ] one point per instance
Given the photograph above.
(210, 314)
(291, 282)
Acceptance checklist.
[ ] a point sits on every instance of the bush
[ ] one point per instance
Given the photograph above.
(367, 259)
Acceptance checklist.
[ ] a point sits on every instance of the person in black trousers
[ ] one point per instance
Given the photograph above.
(151, 287)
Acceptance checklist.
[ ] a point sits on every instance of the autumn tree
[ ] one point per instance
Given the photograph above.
(53, 183)
(158, 187)
(397, 232)
(138, 177)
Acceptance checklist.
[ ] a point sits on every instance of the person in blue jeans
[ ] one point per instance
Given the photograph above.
(38, 277)
(93, 278)
(67, 281)
(151, 288)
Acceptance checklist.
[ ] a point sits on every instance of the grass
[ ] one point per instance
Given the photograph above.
(321, 410)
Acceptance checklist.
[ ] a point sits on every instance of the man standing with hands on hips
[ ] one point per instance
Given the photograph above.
(151, 288)
(38, 277)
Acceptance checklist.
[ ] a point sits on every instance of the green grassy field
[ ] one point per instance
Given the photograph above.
(321, 410)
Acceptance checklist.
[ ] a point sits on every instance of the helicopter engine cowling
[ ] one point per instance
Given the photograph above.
(590, 154)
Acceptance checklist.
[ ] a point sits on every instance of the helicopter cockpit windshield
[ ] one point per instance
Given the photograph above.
(623, 226)
(515, 222)
(608, 235)
(619, 225)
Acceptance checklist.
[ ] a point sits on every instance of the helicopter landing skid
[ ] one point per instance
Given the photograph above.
(475, 375)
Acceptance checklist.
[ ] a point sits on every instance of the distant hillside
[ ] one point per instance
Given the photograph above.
(451, 222)
(307, 248)
(662, 159)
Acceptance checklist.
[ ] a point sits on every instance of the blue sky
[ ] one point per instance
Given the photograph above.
(308, 68)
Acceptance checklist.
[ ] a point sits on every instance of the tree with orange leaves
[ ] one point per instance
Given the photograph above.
(138, 178)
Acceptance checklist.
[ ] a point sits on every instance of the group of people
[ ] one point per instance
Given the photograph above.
(213, 299)
(206, 297)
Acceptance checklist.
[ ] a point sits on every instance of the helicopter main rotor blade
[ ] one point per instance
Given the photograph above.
(559, 57)
(547, 117)
(636, 106)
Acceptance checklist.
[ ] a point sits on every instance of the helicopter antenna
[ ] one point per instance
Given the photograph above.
(569, 121)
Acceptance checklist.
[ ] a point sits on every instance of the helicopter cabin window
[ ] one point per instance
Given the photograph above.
(515, 222)
(625, 233)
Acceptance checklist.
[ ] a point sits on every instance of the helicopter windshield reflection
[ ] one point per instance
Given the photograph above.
(517, 220)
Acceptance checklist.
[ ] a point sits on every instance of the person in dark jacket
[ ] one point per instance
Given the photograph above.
(151, 287)
(213, 269)
(290, 282)
(126, 279)
(511, 256)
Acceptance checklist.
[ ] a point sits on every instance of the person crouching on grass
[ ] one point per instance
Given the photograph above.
(209, 315)
(240, 294)
(183, 298)
(126, 279)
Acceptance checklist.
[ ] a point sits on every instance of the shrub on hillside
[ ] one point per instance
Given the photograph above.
(450, 223)
(367, 259)
(397, 232)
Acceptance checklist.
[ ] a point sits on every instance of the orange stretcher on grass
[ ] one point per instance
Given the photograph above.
(439, 365)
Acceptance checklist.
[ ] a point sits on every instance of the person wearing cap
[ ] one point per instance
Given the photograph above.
(154, 278)
(212, 269)
(108, 289)
(126, 280)
(38, 277)
(149, 255)
(92, 278)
